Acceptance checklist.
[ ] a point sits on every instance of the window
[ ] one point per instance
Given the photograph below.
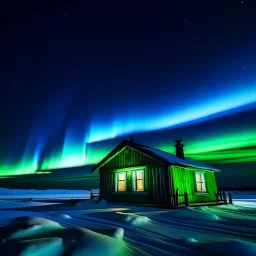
(200, 182)
(138, 180)
(121, 181)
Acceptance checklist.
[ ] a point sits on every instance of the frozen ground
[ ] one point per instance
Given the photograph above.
(245, 198)
(90, 228)
(43, 194)
(12, 204)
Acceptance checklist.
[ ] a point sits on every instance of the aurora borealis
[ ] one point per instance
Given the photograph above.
(78, 79)
(219, 145)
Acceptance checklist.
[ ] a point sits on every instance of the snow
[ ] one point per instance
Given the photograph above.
(40, 236)
(12, 204)
(176, 160)
(49, 193)
(65, 216)
(244, 198)
(49, 247)
(191, 214)
(96, 228)
(87, 203)
(245, 203)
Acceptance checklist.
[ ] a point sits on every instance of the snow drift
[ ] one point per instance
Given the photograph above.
(192, 214)
(39, 236)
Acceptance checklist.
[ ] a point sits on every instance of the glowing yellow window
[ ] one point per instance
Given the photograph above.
(138, 180)
(121, 181)
(200, 182)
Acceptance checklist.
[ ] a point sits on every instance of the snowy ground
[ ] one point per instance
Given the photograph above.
(245, 198)
(44, 194)
(95, 229)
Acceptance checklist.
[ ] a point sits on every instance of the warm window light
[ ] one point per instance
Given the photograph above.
(138, 180)
(121, 181)
(200, 182)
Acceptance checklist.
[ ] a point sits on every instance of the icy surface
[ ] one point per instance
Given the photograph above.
(13, 204)
(244, 198)
(192, 214)
(87, 203)
(102, 228)
(48, 193)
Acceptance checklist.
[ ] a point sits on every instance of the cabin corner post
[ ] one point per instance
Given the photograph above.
(171, 186)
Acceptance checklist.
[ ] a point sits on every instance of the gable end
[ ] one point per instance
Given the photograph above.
(129, 157)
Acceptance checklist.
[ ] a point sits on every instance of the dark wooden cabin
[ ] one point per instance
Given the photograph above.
(135, 173)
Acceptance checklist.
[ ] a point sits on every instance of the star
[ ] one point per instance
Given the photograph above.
(186, 22)
(242, 2)
(65, 13)
(243, 67)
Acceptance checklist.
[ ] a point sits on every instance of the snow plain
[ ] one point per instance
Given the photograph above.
(92, 228)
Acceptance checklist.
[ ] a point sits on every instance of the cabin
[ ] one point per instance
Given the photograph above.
(137, 174)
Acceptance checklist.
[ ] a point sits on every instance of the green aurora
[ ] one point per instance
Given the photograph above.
(236, 147)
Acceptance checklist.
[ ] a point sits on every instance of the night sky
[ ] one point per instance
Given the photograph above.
(79, 76)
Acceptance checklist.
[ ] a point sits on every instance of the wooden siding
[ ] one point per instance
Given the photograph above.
(106, 184)
(128, 196)
(156, 178)
(157, 190)
(128, 157)
(184, 179)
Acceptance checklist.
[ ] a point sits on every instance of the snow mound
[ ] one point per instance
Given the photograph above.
(136, 220)
(95, 244)
(49, 247)
(64, 216)
(122, 217)
(118, 233)
(30, 221)
(130, 218)
(87, 202)
(115, 232)
(190, 240)
(27, 227)
(192, 214)
(103, 202)
(40, 236)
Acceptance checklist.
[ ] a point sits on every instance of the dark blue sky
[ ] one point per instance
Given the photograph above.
(76, 71)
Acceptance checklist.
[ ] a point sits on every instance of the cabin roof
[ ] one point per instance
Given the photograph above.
(172, 159)
(158, 155)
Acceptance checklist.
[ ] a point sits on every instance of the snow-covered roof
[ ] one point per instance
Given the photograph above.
(176, 160)
(153, 152)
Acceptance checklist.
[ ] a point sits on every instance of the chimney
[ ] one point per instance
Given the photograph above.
(179, 149)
